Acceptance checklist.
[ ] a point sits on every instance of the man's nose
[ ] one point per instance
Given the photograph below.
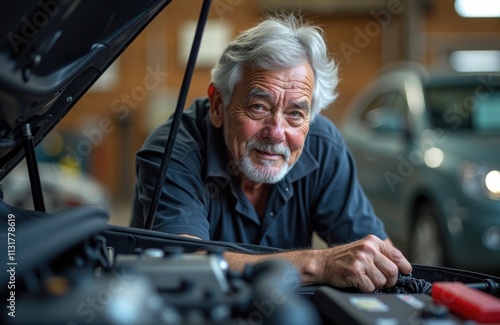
(274, 129)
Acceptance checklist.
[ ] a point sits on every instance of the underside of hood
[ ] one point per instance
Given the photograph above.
(50, 54)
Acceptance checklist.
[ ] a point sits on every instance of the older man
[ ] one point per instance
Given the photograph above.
(256, 163)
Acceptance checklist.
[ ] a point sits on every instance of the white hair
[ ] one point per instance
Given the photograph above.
(277, 43)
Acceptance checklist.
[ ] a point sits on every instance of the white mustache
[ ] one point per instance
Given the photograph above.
(275, 149)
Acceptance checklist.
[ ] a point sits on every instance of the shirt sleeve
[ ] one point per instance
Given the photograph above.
(182, 206)
(343, 212)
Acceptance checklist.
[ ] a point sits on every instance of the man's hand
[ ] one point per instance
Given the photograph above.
(367, 264)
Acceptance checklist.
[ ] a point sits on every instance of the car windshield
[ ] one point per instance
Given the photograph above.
(474, 108)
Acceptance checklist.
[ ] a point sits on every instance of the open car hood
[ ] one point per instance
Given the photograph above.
(51, 52)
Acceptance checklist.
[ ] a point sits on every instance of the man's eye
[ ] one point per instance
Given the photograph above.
(296, 117)
(257, 111)
(296, 114)
(258, 107)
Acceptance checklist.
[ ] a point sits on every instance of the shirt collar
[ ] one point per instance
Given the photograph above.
(217, 160)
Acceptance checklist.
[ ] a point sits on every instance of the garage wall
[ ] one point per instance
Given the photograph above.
(142, 88)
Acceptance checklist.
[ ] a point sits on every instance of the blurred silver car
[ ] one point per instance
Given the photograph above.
(427, 148)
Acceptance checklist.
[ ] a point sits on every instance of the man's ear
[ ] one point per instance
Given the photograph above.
(216, 106)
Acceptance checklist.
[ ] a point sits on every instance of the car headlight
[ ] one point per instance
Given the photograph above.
(479, 180)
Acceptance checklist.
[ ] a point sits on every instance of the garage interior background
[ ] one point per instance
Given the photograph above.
(140, 90)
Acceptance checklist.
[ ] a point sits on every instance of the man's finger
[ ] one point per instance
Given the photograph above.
(388, 268)
(397, 257)
(378, 276)
(366, 284)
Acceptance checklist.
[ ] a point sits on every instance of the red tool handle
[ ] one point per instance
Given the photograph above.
(467, 302)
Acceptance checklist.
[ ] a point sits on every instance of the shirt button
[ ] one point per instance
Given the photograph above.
(287, 189)
(271, 214)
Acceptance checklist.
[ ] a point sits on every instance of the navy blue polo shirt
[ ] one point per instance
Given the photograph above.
(201, 197)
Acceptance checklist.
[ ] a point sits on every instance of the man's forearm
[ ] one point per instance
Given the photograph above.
(367, 264)
(306, 262)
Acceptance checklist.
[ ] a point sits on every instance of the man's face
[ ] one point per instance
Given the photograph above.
(267, 120)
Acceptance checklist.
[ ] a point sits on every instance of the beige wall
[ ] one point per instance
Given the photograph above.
(360, 41)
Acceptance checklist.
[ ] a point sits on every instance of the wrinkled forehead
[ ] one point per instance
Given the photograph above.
(296, 81)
